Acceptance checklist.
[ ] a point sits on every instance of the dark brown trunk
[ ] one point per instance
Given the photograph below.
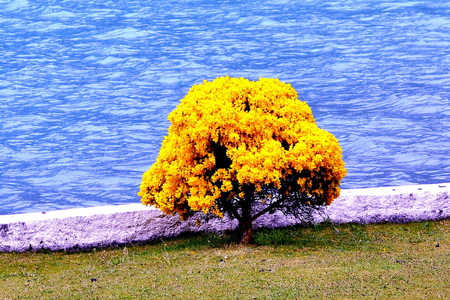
(246, 233)
(246, 222)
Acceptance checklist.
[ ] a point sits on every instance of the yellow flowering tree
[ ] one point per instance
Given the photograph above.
(244, 148)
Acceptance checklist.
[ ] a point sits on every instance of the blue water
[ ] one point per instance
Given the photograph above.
(86, 86)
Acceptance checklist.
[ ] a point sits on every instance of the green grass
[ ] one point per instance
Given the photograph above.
(384, 261)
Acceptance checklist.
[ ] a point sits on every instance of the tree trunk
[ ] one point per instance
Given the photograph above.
(245, 224)
(246, 233)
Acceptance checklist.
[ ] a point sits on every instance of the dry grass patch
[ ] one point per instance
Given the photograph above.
(386, 261)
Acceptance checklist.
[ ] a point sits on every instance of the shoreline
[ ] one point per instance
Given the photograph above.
(104, 226)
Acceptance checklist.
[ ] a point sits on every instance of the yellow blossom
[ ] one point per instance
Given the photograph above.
(232, 133)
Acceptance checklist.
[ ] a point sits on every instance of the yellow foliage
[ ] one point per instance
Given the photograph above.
(233, 132)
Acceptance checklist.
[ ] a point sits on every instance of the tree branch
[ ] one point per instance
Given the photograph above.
(267, 209)
(229, 208)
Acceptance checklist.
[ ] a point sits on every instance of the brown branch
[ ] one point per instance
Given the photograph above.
(230, 209)
(267, 209)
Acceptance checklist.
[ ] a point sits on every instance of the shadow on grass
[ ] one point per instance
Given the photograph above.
(299, 236)
(314, 236)
(343, 236)
(349, 236)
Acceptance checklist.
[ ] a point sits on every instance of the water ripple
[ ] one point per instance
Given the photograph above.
(86, 86)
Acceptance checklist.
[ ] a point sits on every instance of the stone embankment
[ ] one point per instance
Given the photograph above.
(76, 229)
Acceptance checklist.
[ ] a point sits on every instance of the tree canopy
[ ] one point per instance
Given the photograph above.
(243, 148)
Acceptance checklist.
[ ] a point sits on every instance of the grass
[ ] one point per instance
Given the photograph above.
(384, 261)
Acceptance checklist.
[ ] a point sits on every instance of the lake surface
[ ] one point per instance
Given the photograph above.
(86, 86)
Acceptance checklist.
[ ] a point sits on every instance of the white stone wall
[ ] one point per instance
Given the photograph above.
(102, 226)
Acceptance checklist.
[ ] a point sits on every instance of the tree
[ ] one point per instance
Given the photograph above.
(243, 148)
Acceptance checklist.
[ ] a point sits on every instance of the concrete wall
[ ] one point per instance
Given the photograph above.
(102, 226)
